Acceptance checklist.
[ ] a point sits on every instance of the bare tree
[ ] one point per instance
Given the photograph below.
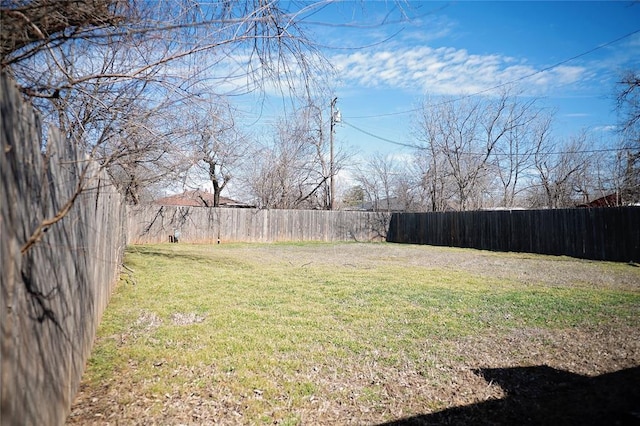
(377, 178)
(138, 157)
(217, 143)
(389, 184)
(269, 40)
(94, 67)
(628, 104)
(408, 191)
(293, 169)
(563, 172)
(435, 176)
(514, 155)
(146, 149)
(460, 138)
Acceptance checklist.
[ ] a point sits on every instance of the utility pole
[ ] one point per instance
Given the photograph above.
(335, 118)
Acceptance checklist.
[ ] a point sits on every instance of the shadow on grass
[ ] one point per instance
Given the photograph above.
(542, 395)
(167, 252)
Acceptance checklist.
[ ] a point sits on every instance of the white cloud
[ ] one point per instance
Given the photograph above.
(577, 115)
(448, 71)
(609, 128)
(634, 41)
(569, 74)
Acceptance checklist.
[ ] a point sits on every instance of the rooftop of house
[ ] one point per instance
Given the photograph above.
(392, 204)
(611, 200)
(197, 198)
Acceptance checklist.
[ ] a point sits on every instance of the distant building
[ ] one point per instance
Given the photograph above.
(611, 200)
(198, 198)
(392, 204)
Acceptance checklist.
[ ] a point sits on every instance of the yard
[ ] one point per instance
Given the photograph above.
(352, 333)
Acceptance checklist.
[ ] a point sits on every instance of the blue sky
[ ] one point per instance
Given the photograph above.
(464, 48)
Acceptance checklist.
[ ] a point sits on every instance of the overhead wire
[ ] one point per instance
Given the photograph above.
(406, 145)
(419, 147)
(557, 64)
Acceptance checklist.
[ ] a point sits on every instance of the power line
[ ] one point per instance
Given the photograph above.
(406, 145)
(418, 147)
(601, 46)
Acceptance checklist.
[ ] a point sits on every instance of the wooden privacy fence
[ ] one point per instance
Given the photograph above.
(154, 224)
(588, 233)
(54, 292)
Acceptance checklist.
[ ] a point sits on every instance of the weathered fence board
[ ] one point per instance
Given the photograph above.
(154, 224)
(595, 233)
(53, 294)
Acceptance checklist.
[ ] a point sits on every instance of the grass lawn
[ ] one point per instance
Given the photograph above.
(320, 333)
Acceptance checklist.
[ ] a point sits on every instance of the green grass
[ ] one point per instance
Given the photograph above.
(275, 318)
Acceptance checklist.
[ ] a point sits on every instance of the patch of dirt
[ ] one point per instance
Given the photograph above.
(148, 321)
(524, 267)
(179, 318)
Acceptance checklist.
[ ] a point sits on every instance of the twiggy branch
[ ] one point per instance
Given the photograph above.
(44, 225)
